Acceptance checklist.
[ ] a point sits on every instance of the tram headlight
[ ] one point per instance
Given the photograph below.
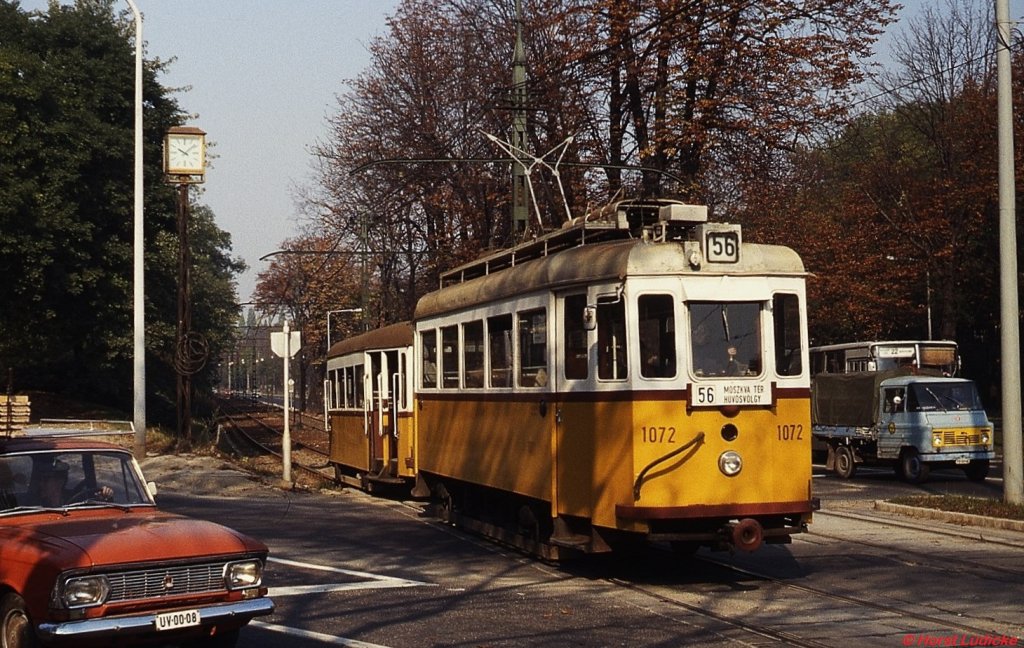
(730, 463)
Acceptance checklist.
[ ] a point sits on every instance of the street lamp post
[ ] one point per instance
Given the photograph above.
(138, 292)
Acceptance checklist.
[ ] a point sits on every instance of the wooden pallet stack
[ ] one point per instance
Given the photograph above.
(14, 413)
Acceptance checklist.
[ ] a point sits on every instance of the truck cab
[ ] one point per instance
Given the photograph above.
(913, 422)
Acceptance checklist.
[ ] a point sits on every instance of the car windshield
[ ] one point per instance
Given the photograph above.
(938, 396)
(61, 479)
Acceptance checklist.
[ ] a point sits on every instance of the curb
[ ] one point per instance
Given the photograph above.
(951, 517)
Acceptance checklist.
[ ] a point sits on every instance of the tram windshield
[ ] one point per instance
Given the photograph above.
(725, 338)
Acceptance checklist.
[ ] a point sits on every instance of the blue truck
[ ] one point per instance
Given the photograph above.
(911, 421)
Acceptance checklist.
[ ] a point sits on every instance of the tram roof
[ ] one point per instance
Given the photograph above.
(392, 336)
(602, 261)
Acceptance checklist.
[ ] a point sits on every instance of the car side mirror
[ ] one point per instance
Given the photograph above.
(152, 488)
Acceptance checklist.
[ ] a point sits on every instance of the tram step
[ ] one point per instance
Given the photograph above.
(383, 479)
(571, 541)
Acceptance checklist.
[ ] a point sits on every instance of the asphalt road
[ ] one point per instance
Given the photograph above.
(349, 569)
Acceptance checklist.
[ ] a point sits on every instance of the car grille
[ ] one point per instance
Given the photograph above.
(166, 581)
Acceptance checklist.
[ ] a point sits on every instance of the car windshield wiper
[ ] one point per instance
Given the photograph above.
(97, 502)
(32, 507)
(938, 399)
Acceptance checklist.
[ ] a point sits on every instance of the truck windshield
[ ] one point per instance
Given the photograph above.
(930, 397)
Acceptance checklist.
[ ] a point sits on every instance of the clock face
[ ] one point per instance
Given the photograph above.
(185, 154)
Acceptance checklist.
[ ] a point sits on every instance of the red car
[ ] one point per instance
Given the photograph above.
(86, 558)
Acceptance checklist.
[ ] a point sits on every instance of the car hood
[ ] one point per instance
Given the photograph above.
(84, 540)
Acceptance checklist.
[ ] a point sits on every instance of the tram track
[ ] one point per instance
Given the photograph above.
(896, 611)
(921, 558)
(759, 630)
(260, 432)
(252, 436)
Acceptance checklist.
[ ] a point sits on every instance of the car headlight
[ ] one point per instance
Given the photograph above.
(84, 591)
(730, 463)
(984, 437)
(936, 440)
(243, 574)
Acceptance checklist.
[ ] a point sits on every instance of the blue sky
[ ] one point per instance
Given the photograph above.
(263, 77)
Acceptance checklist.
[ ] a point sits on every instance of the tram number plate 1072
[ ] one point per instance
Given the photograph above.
(179, 619)
(722, 247)
(730, 393)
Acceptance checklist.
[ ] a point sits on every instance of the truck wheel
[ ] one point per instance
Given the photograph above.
(977, 471)
(845, 466)
(914, 470)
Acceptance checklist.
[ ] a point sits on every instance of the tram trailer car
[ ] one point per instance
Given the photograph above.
(640, 374)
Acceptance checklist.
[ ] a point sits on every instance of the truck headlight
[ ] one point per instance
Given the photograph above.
(984, 437)
(243, 574)
(936, 440)
(84, 591)
(730, 463)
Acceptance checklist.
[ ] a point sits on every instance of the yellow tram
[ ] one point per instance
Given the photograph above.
(639, 374)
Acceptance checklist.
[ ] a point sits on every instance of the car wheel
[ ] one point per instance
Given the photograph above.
(16, 625)
(845, 465)
(915, 471)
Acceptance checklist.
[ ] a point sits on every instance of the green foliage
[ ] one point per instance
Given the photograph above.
(67, 79)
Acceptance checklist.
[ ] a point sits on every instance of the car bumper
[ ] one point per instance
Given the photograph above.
(237, 614)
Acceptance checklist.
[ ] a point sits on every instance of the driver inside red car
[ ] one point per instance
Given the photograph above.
(51, 480)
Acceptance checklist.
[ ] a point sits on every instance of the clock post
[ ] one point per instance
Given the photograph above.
(184, 165)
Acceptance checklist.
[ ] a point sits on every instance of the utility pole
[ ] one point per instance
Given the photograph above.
(520, 189)
(1013, 457)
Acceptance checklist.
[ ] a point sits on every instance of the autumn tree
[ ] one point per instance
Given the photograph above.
(899, 226)
(310, 277)
(691, 91)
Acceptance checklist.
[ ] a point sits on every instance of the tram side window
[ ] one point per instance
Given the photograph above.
(450, 357)
(349, 387)
(533, 348)
(499, 339)
(575, 337)
(358, 382)
(786, 317)
(337, 396)
(375, 373)
(404, 372)
(656, 331)
(428, 343)
(473, 354)
(611, 339)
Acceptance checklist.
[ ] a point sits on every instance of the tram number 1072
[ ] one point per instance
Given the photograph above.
(658, 434)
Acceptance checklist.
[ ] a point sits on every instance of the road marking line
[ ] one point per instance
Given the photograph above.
(299, 590)
(373, 581)
(319, 636)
